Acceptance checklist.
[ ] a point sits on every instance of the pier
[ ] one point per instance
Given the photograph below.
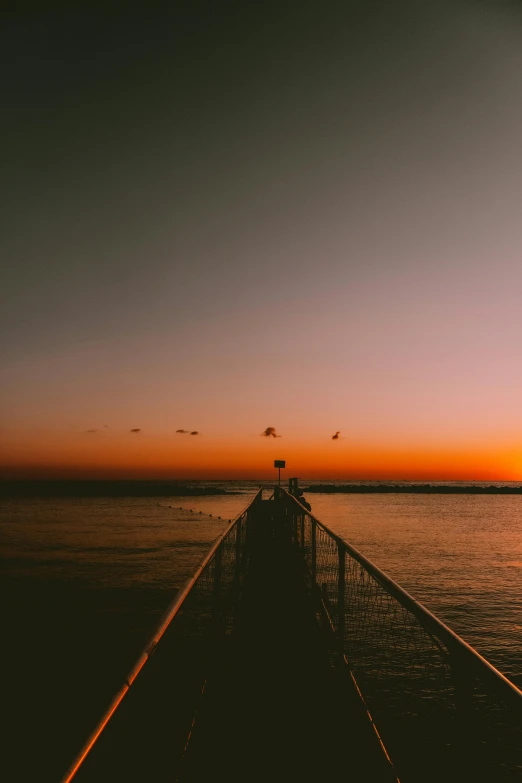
(288, 655)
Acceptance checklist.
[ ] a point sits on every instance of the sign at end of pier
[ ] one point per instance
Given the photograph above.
(279, 463)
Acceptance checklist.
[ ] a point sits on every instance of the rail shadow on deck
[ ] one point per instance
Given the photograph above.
(245, 693)
(275, 708)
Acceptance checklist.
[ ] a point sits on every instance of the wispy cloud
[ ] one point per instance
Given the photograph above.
(136, 429)
(183, 432)
(92, 430)
(270, 432)
(194, 432)
(336, 436)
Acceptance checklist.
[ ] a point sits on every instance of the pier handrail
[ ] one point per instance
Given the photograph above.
(506, 688)
(440, 710)
(168, 616)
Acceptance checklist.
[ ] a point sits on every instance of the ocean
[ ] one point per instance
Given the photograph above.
(84, 581)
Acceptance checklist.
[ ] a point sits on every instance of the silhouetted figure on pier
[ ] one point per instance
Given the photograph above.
(294, 489)
(302, 500)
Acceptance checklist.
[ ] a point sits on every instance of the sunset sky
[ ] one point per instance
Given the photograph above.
(228, 217)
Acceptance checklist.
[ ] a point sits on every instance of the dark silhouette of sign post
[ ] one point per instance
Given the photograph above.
(279, 463)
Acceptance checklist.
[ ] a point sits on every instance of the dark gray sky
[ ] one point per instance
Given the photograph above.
(196, 198)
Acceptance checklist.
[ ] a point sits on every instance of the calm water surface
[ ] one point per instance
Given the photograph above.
(85, 581)
(459, 555)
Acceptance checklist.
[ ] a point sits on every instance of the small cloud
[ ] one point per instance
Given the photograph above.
(336, 436)
(93, 430)
(183, 432)
(270, 432)
(136, 429)
(194, 432)
(106, 426)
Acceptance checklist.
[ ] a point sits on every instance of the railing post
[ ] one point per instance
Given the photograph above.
(249, 533)
(239, 531)
(314, 552)
(341, 589)
(216, 593)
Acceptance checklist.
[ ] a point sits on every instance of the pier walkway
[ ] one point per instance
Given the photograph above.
(275, 708)
(289, 656)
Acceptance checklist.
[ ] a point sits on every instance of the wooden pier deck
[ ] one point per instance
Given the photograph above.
(272, 706)
(275, 708)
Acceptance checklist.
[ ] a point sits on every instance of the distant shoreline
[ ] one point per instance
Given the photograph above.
(145, 488)
(104, 489)
(427, 489)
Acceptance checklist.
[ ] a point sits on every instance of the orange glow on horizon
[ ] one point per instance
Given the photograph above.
(162, 457)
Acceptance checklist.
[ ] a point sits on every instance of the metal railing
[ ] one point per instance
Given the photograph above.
(442, 710)
(201, 614)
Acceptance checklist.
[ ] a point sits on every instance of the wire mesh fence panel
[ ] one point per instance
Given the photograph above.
(440, 709)
(403, 672)
(327, 573)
